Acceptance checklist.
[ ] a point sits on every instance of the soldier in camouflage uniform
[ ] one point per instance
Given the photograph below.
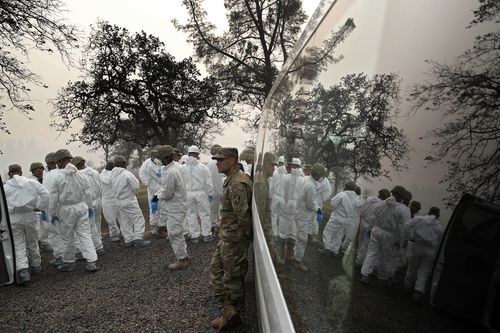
(229, 263)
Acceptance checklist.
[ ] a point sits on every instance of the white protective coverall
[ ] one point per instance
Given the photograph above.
(198, 182)
(125, 185)
(23, 196)
(149, 174)
(307, 207)
(277, 196)
(365, 227)
(94, 181)
(323, 193)
(341, 227)
(217, 181)
(55, 240)
(110, 208)
(70, 199)
(426, 233)
(385, 239)
(173, 194)
(290, 186)
(41, 226)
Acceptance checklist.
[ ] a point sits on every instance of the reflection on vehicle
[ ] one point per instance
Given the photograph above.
(333, 118)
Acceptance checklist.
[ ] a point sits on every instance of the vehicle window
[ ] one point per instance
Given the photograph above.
(479, 228)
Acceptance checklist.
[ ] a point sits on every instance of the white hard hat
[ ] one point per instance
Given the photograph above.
(281, 159)
(193, 149)
(296, 161)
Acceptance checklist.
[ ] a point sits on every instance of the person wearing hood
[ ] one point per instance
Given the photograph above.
(287, 228)
(173, 196)
(150, 174)
(275, 192)
(37, 169)
(54, 235)
(385, 239)
(94, 181)
(341, 227)
(70, 206)
(323, 193)
(200, 193)
(109, 202)
(307, 208)
(217, 181)
(425, 232)
(125, 185)
(24, 198)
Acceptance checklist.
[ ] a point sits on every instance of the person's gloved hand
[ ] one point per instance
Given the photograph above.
(43, 216)
(319, 216)
(91, 213)
(210, 198)
(54, 220)
(154, 207)
(154, 198)
(158, 173)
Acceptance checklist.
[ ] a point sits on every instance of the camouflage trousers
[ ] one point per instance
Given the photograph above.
(228, 268)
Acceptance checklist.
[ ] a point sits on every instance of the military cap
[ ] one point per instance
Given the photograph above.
(434, 211)
(77, 160)
(14, 168)
(318, 170)
(398, 189)
(307, 167)
(165, 151)
(36, 165)
(50, 158)
(350, 186)
(214, 149)
(226, 152)
(270, 158)
(153, 153)
(248, 154)
(177, 152)
(62, 154)
(118, 159)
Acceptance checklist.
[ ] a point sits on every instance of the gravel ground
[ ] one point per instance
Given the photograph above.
(132, 291)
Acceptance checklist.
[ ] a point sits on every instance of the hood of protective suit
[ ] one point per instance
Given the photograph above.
(69, 169)
(391, 202)
(18, 181)
(105, 176)
(297, 172)
(191, 160)
(281, 169)
(116, 171)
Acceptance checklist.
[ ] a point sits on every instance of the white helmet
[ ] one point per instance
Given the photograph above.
(296, 161)
(193, 149)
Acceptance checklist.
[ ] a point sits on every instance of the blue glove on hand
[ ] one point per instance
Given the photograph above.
(54, 220)
(210, 198)
(43, 216)
(154, 199)
(158, 173)
(154, 207)
(319, 216)
(91, 213)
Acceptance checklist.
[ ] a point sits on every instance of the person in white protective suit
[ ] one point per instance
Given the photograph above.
(150, 174)
(173, 193)
(94, 181)
(110, 208)
(70, 206)
(55, 240)
(365, 224)
(425, 232)
(287, 228)
(343, 222)
(307, 208)
(247, 160)
(37, 169)
(24, 198)
(125, 185)
(386, 237)
(217, 181)
(275, 191)
(323, 193)
(200, 194)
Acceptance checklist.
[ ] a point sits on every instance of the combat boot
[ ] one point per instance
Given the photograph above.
(229, 318)
(179, 264)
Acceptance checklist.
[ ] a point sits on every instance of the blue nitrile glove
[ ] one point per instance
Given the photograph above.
(154, 207)
(91, 213)
(158, 173)
(154, 199)
(319, 216)
(43, 216)
(210, 198)
(54, 220)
